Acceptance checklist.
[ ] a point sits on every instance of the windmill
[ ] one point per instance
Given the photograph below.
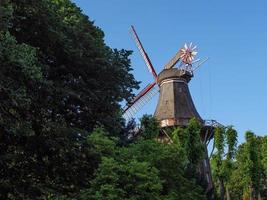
(175, 106)
(186, 65)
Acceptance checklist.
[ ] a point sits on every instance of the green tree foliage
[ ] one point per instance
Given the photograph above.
(192, 144)
(188, 140)
(145, 169)
(6, 11)
(225, 140)
(251, 166)
(124, 180)
(83, 79)
(150, 127)
(58, 80)
(231, 141)
(244, 176)
(262, 142)
(171, 162)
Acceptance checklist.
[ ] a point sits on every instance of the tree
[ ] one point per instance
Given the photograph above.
(262, 143)
(171, 161)
(247, 179)
(150, 127)
(252, 166)
(178, 136)
(231, 142)
(124, 180)
(84, 80)
(192, 144)
(188, 140)
(222, 160)
(58, 81)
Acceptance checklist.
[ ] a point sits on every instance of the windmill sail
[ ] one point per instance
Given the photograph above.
(143, 53)
(173, 61)
(140, 100)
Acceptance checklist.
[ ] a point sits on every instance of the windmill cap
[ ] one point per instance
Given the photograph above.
(174, 73)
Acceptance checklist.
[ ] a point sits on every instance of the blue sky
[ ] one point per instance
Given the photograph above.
(232, 86)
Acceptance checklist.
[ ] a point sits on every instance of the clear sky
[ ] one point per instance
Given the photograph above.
(232, 86)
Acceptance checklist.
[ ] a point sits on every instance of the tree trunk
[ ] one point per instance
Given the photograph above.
(228, 194)
(222, 189)
(244, 197)
(251, 195)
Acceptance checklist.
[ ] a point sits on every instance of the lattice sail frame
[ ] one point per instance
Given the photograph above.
(140, 100)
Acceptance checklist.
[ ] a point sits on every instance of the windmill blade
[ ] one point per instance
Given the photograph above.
(140, 100)
(143, 53)
(173, 61)
(188, 53)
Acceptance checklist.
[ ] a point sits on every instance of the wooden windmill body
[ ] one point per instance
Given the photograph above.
(175, 105)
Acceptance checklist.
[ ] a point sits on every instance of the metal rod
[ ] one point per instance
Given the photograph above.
(200, 64)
